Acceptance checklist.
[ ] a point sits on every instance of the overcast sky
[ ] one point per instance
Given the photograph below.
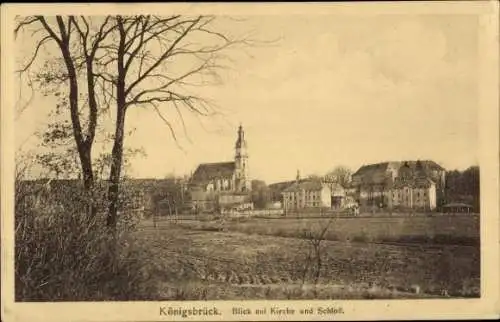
(334, 90)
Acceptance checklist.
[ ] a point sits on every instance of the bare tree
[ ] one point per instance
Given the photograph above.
(78, 46)
(145, 73)
(313, 262)
(145, 61)
(340, 175)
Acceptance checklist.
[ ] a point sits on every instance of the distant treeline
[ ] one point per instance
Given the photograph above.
(463, 186)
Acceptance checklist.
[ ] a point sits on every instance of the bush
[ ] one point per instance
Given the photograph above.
(65, 256)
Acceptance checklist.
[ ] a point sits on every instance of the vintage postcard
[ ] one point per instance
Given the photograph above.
(250, 162)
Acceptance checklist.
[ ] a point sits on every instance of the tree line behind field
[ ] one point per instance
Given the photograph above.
(464, 186)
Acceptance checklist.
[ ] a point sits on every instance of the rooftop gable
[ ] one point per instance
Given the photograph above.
(307, 185)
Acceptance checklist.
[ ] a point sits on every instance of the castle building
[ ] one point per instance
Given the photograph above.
(223, 185)
(406, 184)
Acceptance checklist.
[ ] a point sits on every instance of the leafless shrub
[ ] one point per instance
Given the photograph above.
(63, 254)
(313, 261)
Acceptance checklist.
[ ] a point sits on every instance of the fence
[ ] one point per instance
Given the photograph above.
(254, 212)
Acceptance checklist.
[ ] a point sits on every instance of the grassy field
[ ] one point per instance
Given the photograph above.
(442, 229)
(361, 258)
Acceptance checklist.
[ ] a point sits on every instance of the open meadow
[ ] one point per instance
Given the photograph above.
(356, 258)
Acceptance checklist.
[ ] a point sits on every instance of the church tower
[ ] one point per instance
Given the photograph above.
(241, 162)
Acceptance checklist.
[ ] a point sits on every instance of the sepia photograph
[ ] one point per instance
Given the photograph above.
(202, 155)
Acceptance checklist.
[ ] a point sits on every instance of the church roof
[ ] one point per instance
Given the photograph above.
(210, 171)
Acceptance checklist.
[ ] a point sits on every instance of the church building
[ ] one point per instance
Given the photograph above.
(222, 185)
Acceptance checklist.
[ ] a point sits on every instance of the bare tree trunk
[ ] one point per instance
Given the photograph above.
(88, 175)
(88, 180)
(83, 146)
(115, 171)
(306, 267)
(117, 152)
(318, 263)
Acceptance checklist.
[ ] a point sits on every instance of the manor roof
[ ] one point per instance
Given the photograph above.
(377, 173)
(413, 183)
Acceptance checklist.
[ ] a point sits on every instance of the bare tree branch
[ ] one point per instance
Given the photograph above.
(123, 61)
(162, 57)
(25, 22)
(35, 54)
(22, 108)
(179, 113)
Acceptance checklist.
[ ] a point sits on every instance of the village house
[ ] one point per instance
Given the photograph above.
(222, 185)
(307, 194)
(276, 190)
(406, 184)
(338, 193)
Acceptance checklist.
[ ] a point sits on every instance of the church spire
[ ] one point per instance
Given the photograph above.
(241, 160)
(241, 142)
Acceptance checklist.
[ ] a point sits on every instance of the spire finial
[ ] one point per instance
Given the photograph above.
(241, 137)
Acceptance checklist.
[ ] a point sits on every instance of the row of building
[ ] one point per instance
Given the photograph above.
(214, 187)
(417, 185)
(414, 184)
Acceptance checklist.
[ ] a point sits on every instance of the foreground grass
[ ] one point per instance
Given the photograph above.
(201, 265)
(64, 257)
(68, 257)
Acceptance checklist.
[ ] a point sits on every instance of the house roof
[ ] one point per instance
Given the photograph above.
(280, 186)
(210, 171)
(308, 185)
